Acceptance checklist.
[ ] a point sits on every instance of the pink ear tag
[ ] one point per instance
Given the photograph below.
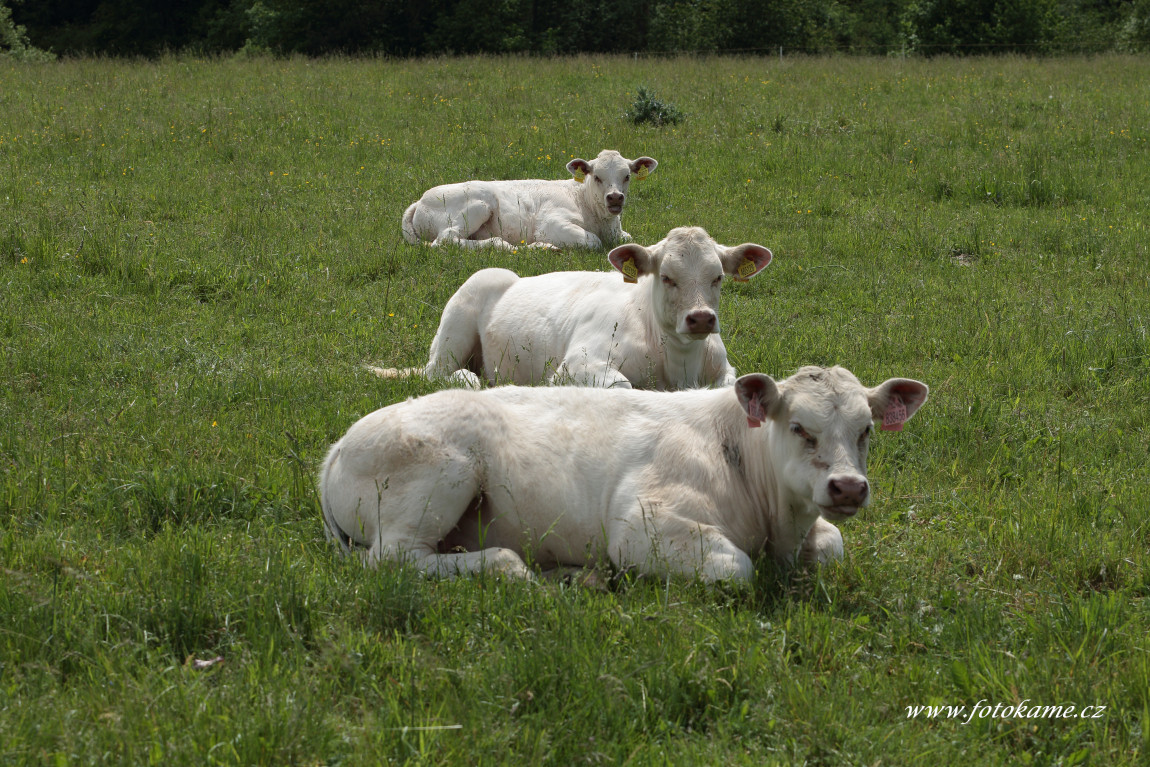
(895, 415)
(755, 413)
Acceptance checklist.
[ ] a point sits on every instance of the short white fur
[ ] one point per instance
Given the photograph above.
(532, 212)
(593, 328)
(669, 483)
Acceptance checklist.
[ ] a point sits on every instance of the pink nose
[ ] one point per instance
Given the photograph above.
(847, 490)
(701, 321)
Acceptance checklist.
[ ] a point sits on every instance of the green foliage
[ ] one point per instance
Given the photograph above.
(198, 256)
(264, 36)
(478, 26)
(761, 27)
(688, 25)
(988, 26)
(14, 43)
(648, 109)
(1133, 28)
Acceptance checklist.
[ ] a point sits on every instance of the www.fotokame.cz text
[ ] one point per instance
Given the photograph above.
(984, 710)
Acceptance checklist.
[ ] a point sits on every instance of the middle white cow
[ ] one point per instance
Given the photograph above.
(593, 328)
(668, 482)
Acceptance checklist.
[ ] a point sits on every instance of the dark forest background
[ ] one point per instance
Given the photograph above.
(423, 27)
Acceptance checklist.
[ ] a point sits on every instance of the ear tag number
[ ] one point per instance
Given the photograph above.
(641, 174)
(629, 270)
(746, 269)
(895, 415)
(579, 175)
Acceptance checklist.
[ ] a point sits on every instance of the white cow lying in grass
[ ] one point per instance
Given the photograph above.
(666, 482)
(581, 211)
(593, 328)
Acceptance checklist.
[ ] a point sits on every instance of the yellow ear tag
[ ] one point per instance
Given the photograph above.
(630, 273)
(746, 269)
(579, 175)
(641, 173)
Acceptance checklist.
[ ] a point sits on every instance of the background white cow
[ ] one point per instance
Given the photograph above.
(593, 328)
(678, 482)
(580, 211)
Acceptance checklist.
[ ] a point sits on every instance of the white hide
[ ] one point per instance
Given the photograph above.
(534, 212)
(594, 328)
(693, 483)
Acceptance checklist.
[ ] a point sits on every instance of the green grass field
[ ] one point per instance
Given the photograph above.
(197, 256)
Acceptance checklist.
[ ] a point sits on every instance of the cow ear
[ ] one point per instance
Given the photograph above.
(759, 396)
(579, 169)
(633, 260)
(894, 401)
(642, 167)
(745, 261)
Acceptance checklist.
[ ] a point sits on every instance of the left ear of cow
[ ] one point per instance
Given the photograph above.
(633, 260)
(758, 394)
(894, 401)
(643, 167)
(745, 261)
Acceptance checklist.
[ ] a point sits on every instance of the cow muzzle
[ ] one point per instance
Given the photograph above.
(701, 322)
(615, 203)
(847, 494)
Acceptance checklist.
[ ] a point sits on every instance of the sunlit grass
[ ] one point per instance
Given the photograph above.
(196, 257)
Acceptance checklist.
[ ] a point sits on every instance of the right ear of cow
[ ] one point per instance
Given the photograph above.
(745, 261)
(637, 255)
(759, 397)
(895, 400)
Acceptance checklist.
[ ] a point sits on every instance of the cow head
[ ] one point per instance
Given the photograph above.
(607, 178)
(822, 420)
(687, 268)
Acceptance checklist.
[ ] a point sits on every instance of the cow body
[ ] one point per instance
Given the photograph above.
(593, 328)
(461, 481)
(582, 211)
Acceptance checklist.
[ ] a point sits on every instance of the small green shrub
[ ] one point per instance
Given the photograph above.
(648, 109)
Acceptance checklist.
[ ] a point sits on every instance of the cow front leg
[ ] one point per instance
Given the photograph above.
(569, 236)
(656, 540)
(823, 544)
(583, 372)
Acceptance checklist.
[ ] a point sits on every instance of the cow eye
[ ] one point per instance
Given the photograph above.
(598, 180)
(717, 280)
(865, 434)
(669, 282)
(799, 431)
(626, 178)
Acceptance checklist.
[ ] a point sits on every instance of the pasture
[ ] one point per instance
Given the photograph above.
(196, 257)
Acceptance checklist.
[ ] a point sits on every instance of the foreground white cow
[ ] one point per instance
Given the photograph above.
(680, 482)
(593, 328)
(581, 211)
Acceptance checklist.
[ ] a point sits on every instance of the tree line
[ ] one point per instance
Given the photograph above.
(433, 27)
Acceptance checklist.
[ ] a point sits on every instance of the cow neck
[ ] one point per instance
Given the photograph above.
(673, 350)
(645, 308)
(592, 215)
(760, 476)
